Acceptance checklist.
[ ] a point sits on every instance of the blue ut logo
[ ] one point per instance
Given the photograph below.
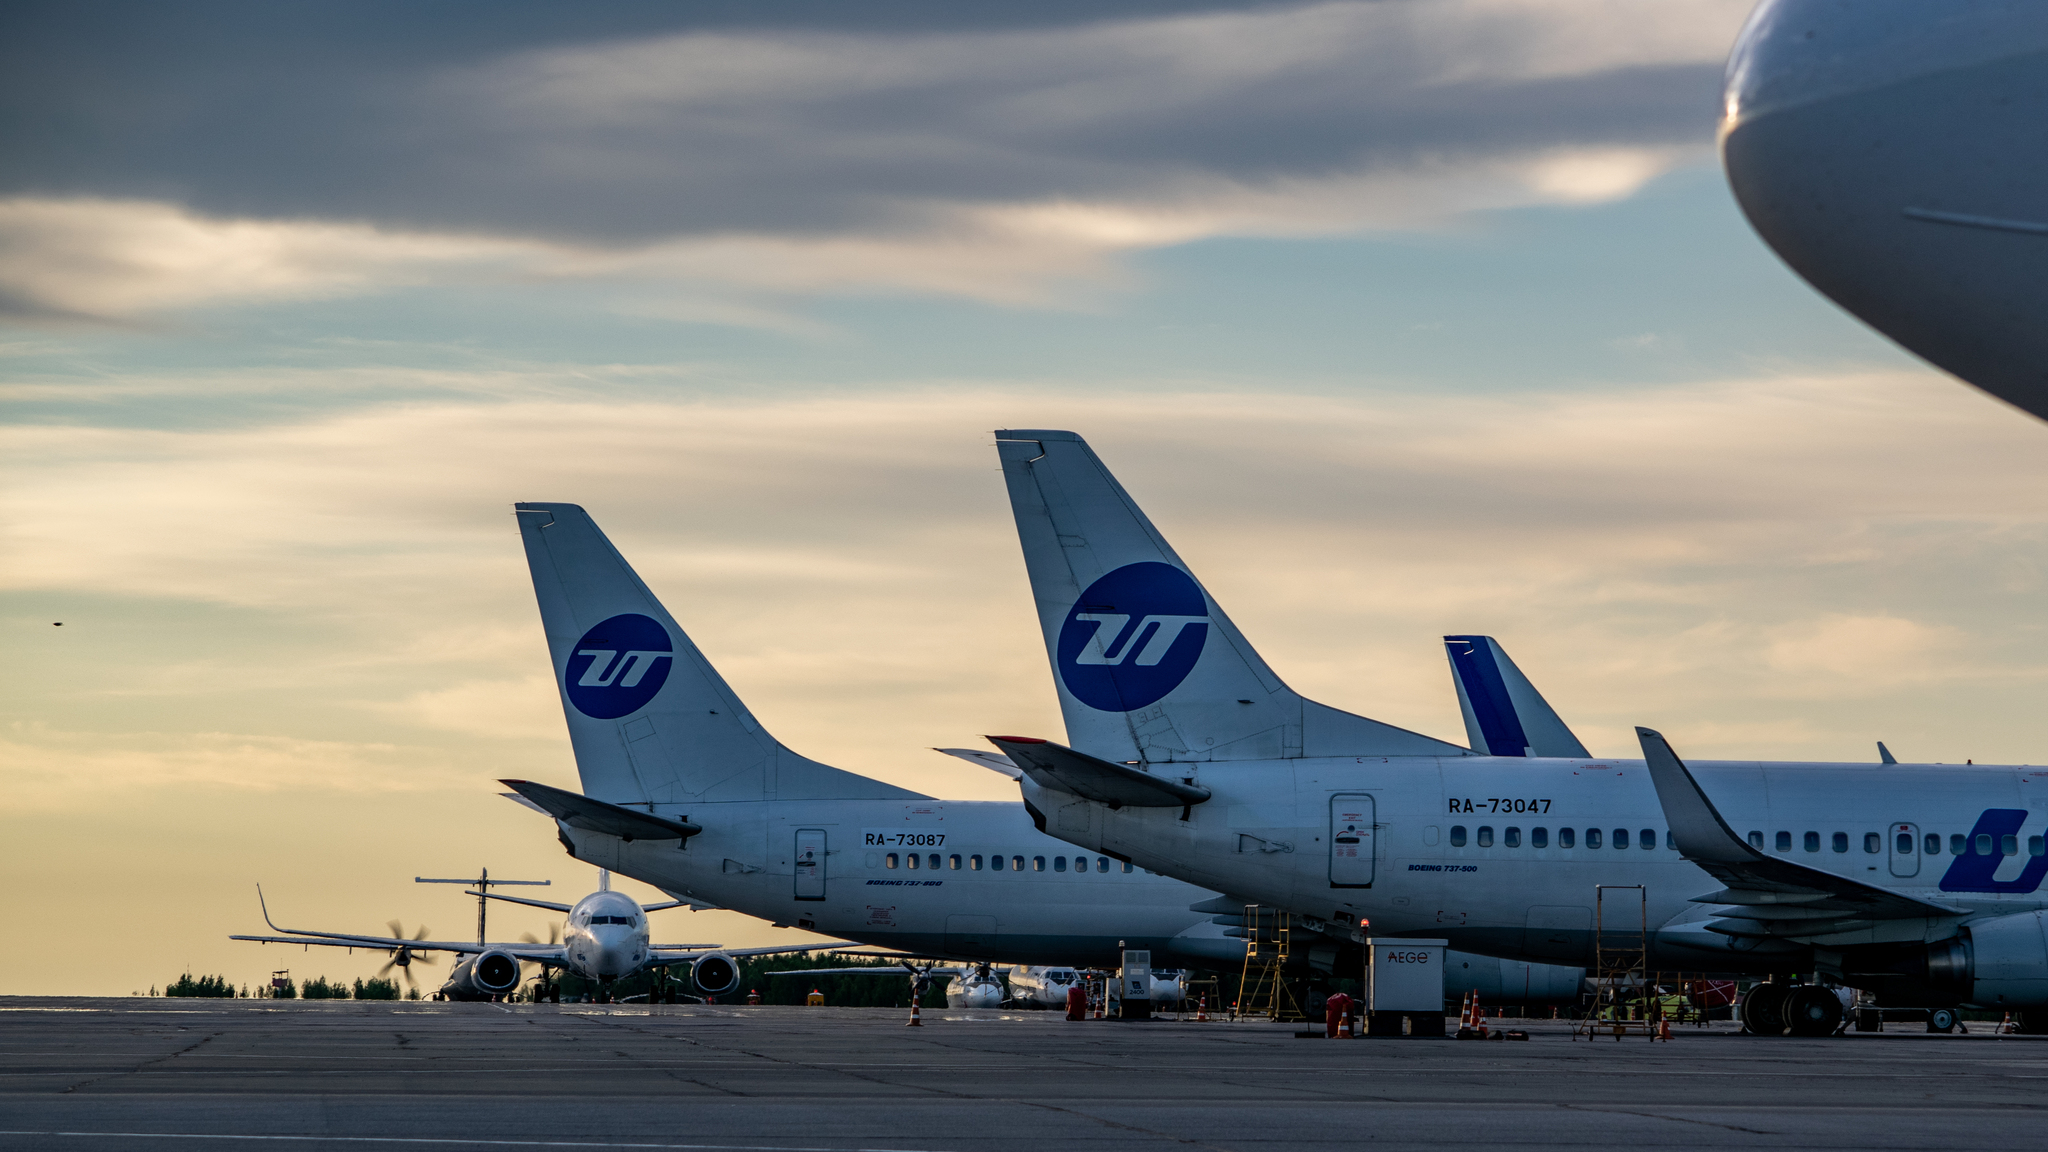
(1995, 838)
(618, 666)
(1133, 636)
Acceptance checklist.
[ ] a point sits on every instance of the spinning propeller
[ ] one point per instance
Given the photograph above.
(403, 957)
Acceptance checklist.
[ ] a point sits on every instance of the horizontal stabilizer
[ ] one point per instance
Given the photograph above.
(1062, 769)
(580, 811)
(993, 761)
(1826, 903)
(1504, 714)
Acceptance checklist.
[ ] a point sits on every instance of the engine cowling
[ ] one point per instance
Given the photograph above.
(715, 974)
(487, 974)
(2008, 960)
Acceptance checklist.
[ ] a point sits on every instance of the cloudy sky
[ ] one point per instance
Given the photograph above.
(1402, 318)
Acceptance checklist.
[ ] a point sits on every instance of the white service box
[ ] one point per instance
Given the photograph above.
(1406, 976)
(1134, 984)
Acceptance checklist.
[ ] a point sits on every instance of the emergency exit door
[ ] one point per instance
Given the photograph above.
(1903, 845)
(1351, 841)
(810, 863)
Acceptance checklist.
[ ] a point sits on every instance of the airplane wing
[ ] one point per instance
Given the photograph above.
(1062, 769)
(537, 953)
(1769, 896)
(548, 904)
(993, 761)
(658, 956)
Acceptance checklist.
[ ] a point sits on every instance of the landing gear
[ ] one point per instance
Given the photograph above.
(1763, 1009)
(1811, 1010)
(1941, 1020)
(2031, 1021)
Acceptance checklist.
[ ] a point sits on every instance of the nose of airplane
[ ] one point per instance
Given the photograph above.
(1890, 152)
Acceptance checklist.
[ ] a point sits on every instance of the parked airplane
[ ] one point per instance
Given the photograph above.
(1042, 986)
(684, 789)
(604, 939)
(1191, 757)
(1890, 151)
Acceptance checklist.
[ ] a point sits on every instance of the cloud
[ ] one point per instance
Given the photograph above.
(1754, 553)
(710, 171)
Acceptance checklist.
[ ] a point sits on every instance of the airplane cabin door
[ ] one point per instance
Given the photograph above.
(1351, 840)
(810, 863)
(1904, 849)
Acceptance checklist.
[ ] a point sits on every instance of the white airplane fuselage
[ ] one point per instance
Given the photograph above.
(605, 937)
(1472, 849)
(1046, 912)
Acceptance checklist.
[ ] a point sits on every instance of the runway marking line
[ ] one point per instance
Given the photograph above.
(454, 1140)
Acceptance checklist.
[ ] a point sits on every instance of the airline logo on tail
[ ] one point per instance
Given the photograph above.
(1133, 636)
(618, 666)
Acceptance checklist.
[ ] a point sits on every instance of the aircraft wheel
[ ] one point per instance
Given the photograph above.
(1763, 1010)
(1812, 1010)
(1941, 1020)
(2032, 1021)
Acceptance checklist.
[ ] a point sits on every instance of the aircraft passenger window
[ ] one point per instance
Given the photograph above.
(995, 863)
(1983, 843)
(1539, 837)
(1839, 841)
(1958, 845)
(1127, 868)
(1565, 837)
(892, 859)
(1102, 863)
(933, 860)
(1059, 863)
(1756, 840)
(1873, 843)
(1621, 837)
(1933, 844)
(1592, 837)
(953, 861)
(2008, 845)
(2035, 847)
(874, 860)
(1905, 843)
(1511, 837)
(974, 862)
(1486, 835)
(1784, 841)
(1671, 839)
(1648, 840)
(1038, 863)
(910, 858)
(1811, 841)
(1457, 835)
(1017, 863)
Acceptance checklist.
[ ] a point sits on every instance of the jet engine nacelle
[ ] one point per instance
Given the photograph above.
(715, 974)
(2008, 960)
(492, 973)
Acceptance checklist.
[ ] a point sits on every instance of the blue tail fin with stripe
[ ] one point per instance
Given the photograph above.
(1504, 714)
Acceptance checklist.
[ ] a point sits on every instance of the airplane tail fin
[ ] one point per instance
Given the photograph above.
(649, 718)
(1504, 714)
(1147, 665)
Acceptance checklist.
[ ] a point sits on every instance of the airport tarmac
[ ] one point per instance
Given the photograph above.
(142, 1074)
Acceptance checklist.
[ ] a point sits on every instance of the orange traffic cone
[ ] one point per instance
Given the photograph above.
(1202, 1010)
(2005, 1025)
(915, 1020)
(1344, 1027)
(1664, 1028)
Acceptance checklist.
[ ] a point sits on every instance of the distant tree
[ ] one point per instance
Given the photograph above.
(883, 990)
(319, 989)
(376, 989)
(214, 987)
